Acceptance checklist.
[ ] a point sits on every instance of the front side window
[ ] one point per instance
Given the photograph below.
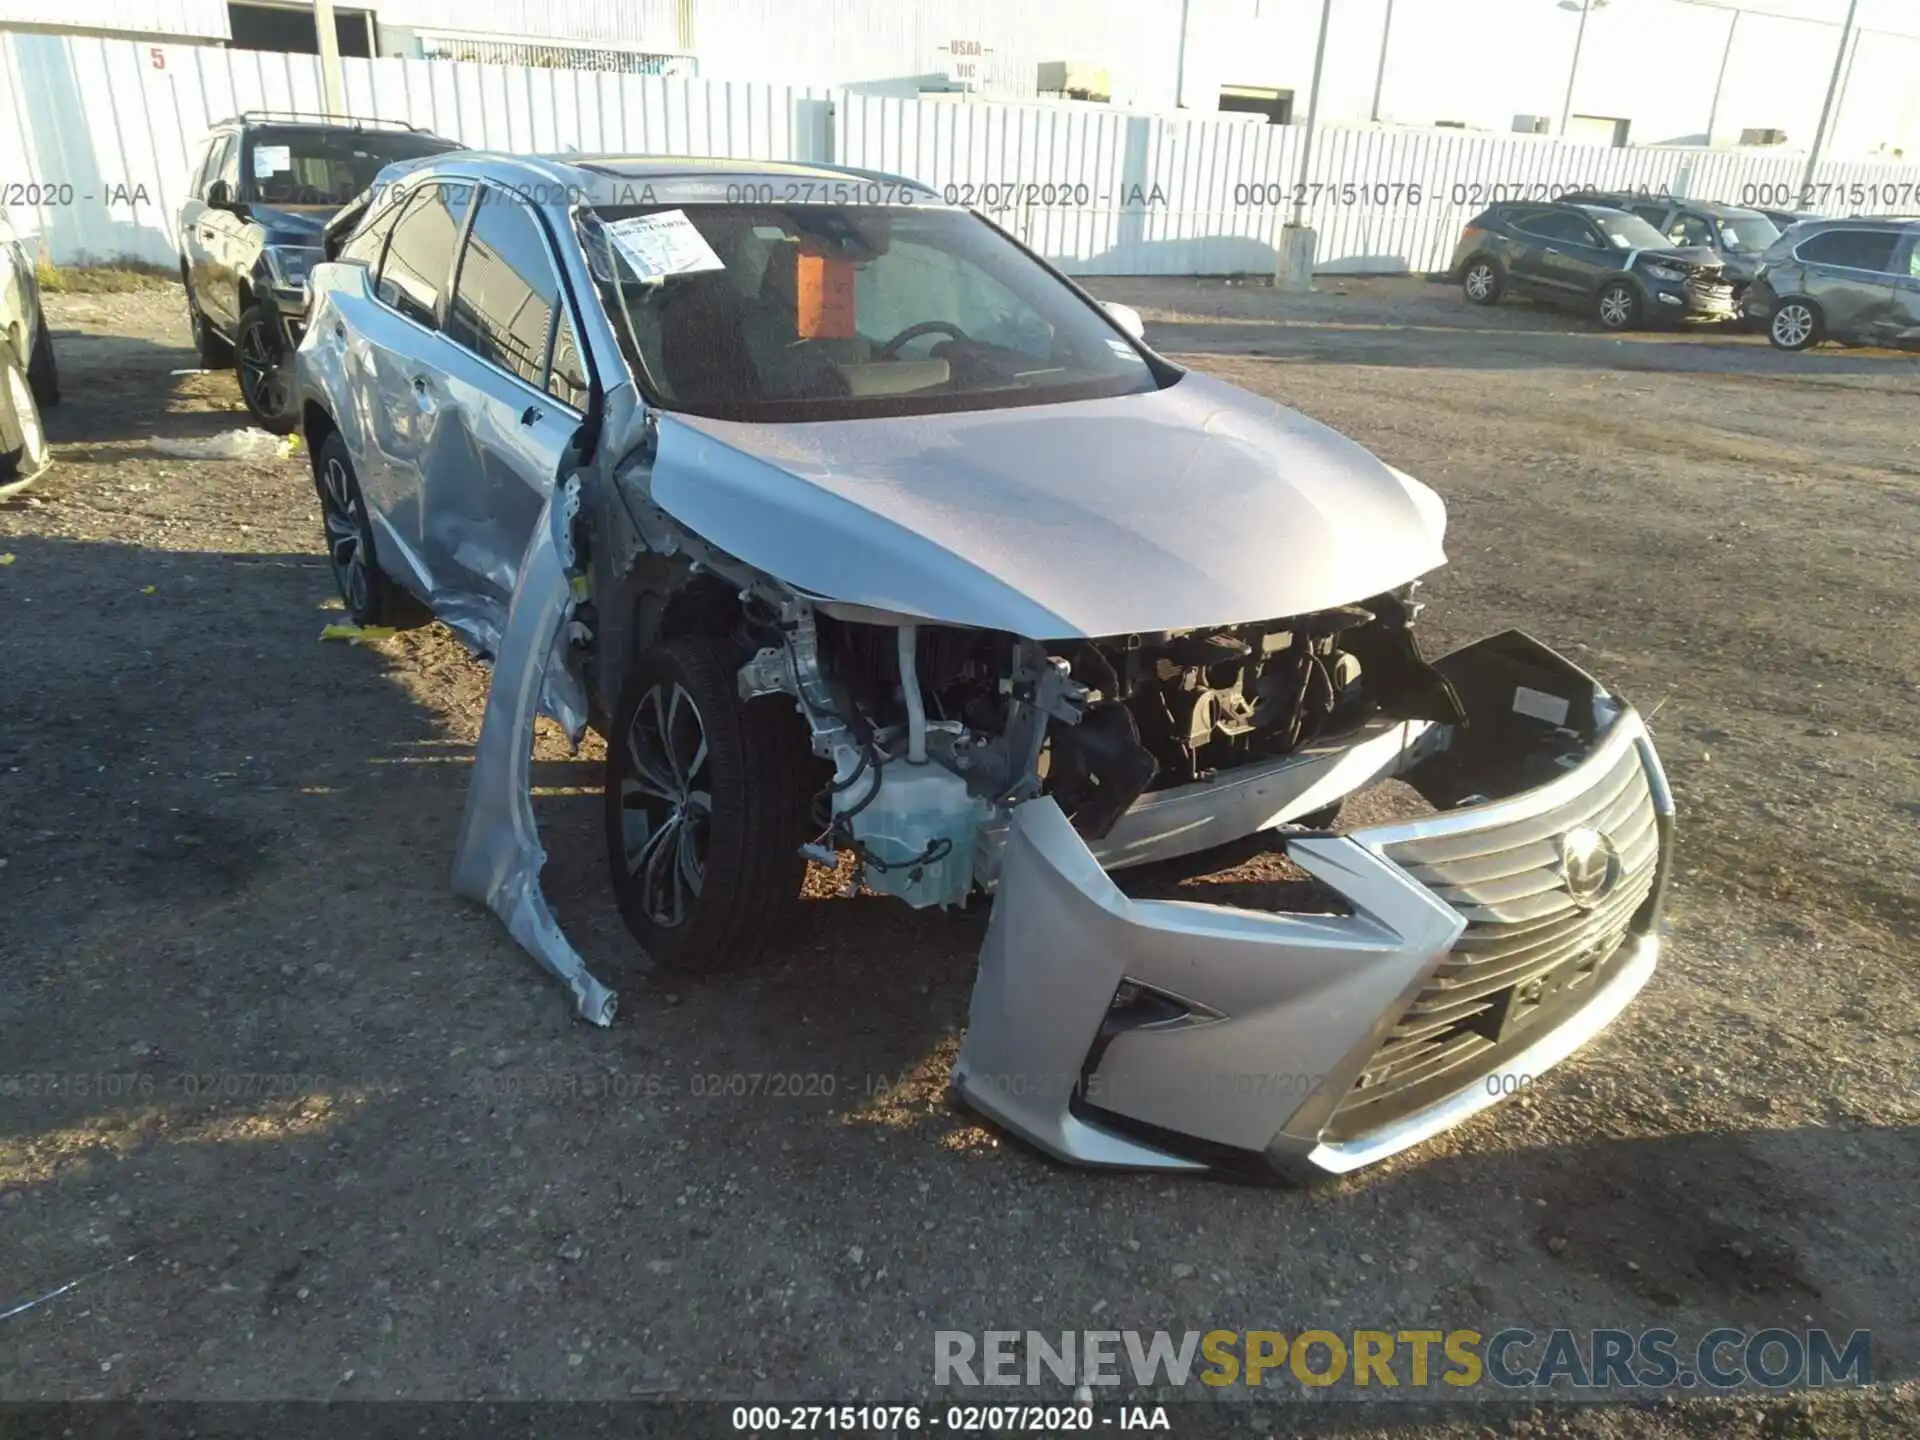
(1852, 249)
(813, 312)
(1690, 230)
(226, 165)
(505, 298)
(293, 166)
(1748, 235)
(419, 257)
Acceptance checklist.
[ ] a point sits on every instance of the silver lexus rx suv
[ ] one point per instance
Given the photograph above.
(857, 529)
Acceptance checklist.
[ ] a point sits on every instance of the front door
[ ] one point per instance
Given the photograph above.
(518, 393)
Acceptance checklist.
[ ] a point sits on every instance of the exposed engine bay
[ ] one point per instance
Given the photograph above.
(932, 729)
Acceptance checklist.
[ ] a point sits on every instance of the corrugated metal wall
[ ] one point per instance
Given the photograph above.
(1103, 192)
(96, 137)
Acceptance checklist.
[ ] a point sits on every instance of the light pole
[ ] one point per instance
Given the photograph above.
(1579, 39)
(1295, 270)
(1826, 109)
(1713, 110)
(1380, 75)
(331, 85)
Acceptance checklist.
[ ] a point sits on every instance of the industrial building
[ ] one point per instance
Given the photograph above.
(1719, 72)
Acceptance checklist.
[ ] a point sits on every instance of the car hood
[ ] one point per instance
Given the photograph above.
(291, 224)
(1694, 257)
(1190, 506)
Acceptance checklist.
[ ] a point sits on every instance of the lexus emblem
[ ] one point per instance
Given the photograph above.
(1589, 866)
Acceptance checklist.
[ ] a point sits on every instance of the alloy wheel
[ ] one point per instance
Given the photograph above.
(1480, 282)
(666, 803)
(263, 371)
(1792, 326)
(1616, 308)
(340, 513)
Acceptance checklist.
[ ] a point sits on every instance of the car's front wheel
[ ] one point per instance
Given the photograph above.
(1796, 325)
(706, 808)
(370, 597)
(23, 443)
(264, 366)
(1480, 282)
(1617, 306)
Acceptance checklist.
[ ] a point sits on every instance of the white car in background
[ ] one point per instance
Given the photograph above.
(29, 377)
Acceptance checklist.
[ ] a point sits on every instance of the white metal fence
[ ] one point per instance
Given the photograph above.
(95, 139)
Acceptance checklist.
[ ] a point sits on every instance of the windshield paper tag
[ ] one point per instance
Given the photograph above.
(271, 160)
(657, 246)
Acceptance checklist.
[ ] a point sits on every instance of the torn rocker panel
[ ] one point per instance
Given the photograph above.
(499, 856)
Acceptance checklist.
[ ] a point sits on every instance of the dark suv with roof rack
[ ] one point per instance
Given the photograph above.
(262, 188)
(1607, 262)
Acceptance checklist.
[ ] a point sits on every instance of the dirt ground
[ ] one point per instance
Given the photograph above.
(304, 1125)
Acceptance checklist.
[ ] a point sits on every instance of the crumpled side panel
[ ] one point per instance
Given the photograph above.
(499, 856)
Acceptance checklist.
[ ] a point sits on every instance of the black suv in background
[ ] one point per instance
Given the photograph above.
(1855, 281)
(260, 194)
(1739, 236)
(1607, 262)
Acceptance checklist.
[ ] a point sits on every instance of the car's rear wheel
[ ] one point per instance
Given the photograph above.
(23, 443)
(1617, 306)
(706, 808)
(1481, 283)
(370, 597)
(43, 373)
(1796, 325)
(209, 344)
(265, 370)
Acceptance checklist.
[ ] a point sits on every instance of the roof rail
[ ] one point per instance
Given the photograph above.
(311, 117)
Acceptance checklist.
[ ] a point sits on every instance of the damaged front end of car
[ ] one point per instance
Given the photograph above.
(1446, 956)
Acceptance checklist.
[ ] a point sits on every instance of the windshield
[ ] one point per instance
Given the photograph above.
(327, 167)
(819, 312)
(1630, 232)
(1750, 234)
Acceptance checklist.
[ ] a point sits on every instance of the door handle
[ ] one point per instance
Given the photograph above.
(532, 415)
(1552, 250)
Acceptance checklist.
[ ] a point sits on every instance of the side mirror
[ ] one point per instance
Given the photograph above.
(220, 195)
(1127, 318)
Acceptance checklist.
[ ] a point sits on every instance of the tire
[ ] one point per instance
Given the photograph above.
(1484, 277)
(23, 441)
(1617, 306)
(264, 367)
(43, 374)
(703, 838)
(213, 348)
(370, 597)
(1796, 324)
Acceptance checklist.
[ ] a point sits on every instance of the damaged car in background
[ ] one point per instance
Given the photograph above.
(859, 531)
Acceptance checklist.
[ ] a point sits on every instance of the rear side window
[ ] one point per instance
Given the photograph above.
(1558, 225)
(420, 255)
(1855, 249)
(504, 301)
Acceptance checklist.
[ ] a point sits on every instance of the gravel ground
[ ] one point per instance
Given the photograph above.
(358, 1148)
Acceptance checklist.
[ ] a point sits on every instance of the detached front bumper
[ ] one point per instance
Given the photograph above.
(1474, 948)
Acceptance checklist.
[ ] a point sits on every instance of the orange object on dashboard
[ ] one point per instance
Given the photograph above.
(823, 296)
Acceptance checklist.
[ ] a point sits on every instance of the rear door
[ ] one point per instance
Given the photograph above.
(1850, 273)
(203, 226)
(517, 391)
(1904, 328)
(401, 370)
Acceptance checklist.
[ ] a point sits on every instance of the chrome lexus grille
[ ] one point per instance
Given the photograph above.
(1528, 945)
